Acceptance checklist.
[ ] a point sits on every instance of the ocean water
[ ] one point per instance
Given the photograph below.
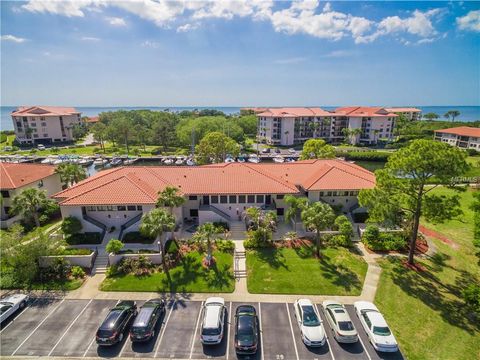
(467, 113)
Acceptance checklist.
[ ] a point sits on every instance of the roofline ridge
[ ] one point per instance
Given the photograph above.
(350, 173)
(311, 182)
(357, 167)
(138, 186)
(8, 175)
(271, 177)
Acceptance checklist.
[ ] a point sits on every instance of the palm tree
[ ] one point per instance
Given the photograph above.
(286, 135)
(28, 202)
(264, 221)
(155, 223)
(318, 216)
(355, 132)
(452, 114)
(170, 197)
(70, 173)
(295, 204)
(206, 232)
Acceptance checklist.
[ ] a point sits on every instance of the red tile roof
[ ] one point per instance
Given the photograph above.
(403, 109)
(92, 119)
(295, 112)
(462, 131)
(13, 175)
(44, 111)
(364, 111)
(140, 185)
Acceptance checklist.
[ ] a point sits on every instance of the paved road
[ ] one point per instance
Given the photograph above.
(66, 328)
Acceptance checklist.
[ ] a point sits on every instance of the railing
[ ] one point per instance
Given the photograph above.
(215, 210)
(128, 224)
(96, 223)
(94, 257)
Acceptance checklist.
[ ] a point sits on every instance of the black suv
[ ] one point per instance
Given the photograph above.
(143, 328)
(246, 330)
(112, 329)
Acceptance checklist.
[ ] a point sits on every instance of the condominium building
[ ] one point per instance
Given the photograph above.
(289, 126)
(44, 124)
(410, 113)
(464, 137)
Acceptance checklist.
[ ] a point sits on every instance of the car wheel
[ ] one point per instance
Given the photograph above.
(22, 304)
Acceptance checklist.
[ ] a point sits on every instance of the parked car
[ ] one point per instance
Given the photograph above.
(213, 321)
(144, 325)
(278, 151)
(246, 330)
(375, 326)
(292, 151)
(266, 150)
(311, 327)
(10, 304)
(41, 147)
(117, 320)
(340, 322)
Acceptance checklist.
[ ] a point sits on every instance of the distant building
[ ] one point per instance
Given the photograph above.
(289, 126)
(44, 124)
(91, 120)
(14, 178)
(412, 114)
(464, 137)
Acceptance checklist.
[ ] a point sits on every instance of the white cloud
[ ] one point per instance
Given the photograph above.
(13, 38)
(90, 38)
(187, 27)
(150, 44)
(288, 61)
(59, 7)
(338, 54)
(471, 21)
(116, 21)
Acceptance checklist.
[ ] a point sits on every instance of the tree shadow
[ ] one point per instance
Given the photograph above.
(274, 257)
(177, 280)
(340, 275)
(437, 295)
(219, 278)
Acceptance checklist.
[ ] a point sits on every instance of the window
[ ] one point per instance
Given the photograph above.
(131, 207)
(109, 208)
(214, 199)
(260, 199)
(329, 193)
(33, 124)
(280, 197)
(91, 208)
(5, 194)
(121, 208)
(44, 124)
(100, 208)
(321, 193)
(193, 212)
(45, 135)
(352, 193)
(334, 193)
(251, 199)
(192, 197)
(242, 199)
(19, 124)
(139, 207)
(232, 199)
(223, 199)
(35, 135)
(280, 211)
(345, 193)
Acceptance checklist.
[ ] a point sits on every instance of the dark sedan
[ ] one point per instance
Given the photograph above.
(112, 329)
(246, 330)
(143, 328)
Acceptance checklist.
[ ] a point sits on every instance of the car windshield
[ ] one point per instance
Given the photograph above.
(381, 330)
(211, 331)
(245, 325)
(111, 319)
(345, 325)
(310, 318)
(4, 307)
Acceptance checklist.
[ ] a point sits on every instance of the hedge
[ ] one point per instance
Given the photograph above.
(137, 237)
(383, 241)
(89, 238)
(367, 155)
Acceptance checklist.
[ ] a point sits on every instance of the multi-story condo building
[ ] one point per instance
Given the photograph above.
(464, 137)
(14, 178)
(218, 192)
(44, 124)
(289, 126)
(410, 113)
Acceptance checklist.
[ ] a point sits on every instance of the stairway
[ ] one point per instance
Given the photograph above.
(237, 230)
(240, 269)
(101, 264)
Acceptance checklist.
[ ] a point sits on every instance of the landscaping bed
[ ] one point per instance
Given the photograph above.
(188, 275)
(296, 271)
(137, 237)
(87, 238)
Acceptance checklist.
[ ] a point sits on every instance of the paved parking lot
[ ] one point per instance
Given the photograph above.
(66, 328)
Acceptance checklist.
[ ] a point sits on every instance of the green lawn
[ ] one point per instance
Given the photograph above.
(188, 276)
(474, 162)
(371, 165)
(432, 299)
(296, 271)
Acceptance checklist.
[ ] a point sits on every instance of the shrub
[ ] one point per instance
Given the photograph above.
(137, 237)
(58, 270)
(71, 225)
(360, 217)
(471, 296)
(138, 266)
(339, 240)
(256, 239)
(367, 155)
(74, 251)
(89, 238)
(222, 224)
(114, 246)
(77, 272)
(382, 241)
(112, 271)
(472, 152)
(345, 227)
(226, 246)
(43, 219)
(171, 247)
(3, 137)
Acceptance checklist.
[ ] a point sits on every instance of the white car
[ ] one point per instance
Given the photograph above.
(41, 147)
(213, 321)
(308, 319)
(11, 304)
(292, 151)
(376, 327)
(340, 322)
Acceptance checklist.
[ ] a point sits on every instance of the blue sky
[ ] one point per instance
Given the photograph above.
(159, 53)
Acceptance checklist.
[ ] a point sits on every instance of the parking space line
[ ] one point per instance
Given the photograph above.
(291, 329)
(196, 328)
(36, 328)
(68, 328)
(89, 346)
(228, 327)
(16, 317)
(124, 345)
(326, 336)
(364, 347)
(164, 328)
(261, 336)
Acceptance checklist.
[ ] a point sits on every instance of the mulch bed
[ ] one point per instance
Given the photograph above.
(421, 248)
(418, 267)
(435, 234)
